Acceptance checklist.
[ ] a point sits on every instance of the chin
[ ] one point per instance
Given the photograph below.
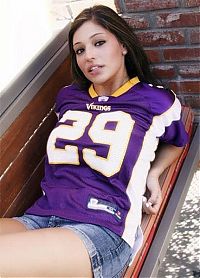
(100, 81)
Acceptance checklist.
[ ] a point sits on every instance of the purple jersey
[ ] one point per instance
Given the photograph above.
(99, 154)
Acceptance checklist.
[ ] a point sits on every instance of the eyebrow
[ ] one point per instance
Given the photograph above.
(90, 37)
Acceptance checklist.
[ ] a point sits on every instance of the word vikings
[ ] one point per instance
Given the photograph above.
(93, 106)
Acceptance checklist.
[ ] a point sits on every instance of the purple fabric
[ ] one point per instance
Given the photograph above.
(68, 188)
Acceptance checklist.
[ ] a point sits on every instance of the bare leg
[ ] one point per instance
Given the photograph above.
(9, 225)
(53, 252)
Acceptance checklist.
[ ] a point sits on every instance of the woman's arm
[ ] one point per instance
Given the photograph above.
(165, 156)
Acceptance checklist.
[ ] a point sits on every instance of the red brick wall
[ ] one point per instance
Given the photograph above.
(169, 31)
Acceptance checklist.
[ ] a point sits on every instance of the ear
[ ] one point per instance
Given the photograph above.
(124, 50)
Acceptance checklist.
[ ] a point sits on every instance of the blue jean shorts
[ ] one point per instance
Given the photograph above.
(110, 255)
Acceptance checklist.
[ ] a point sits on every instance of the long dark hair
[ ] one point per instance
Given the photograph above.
(136, 61)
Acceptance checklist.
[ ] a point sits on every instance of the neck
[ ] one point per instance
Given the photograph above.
(109, 88)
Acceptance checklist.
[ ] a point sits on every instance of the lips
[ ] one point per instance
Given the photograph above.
(94, 68)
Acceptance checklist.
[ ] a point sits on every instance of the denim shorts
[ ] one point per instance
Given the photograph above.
(110, 255)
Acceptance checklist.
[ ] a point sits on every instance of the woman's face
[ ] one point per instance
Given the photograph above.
(99, 55)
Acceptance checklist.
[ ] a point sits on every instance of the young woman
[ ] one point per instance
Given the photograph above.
(87, 223)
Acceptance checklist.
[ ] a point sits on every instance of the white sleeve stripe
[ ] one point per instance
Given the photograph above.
(164, 120)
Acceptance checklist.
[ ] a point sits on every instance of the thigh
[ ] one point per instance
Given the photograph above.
(23, 223)
(10, 225)
(109, 253)
(51, 252)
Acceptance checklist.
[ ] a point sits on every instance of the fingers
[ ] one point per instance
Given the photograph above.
(152, 205)
(145, 205)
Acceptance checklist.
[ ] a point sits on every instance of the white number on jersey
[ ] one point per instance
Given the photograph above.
(117, 140)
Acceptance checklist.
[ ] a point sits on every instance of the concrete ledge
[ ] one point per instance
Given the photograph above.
(20, 92)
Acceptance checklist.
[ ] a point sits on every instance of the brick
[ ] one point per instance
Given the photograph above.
(192, 3)
(160, 38)
(138, 22)
(153, 55)
(178, 19)
(185, 87)
(181, 54)
(146, 5)
(192, 101)
(189, 70)
(195, 36)
(164, 71)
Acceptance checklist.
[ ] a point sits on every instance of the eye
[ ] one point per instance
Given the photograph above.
(79, 51)
(99, 43)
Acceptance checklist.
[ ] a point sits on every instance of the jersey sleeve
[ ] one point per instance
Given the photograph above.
(59, 101)
(172, 130)
(175, 134)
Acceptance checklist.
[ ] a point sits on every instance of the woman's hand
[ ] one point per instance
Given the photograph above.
(165, 156)
(152, 204)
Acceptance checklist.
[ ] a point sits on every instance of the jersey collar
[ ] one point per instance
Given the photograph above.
(123, 89)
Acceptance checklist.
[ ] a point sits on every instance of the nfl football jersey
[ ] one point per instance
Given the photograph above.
(99, 153)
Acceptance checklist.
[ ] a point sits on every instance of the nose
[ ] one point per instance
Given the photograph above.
(89, 54)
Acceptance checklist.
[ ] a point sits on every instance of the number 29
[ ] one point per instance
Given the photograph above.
(117, 140)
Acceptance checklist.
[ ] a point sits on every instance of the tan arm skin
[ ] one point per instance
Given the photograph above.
(165, 156)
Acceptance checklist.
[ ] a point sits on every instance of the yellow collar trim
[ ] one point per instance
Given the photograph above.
(123, 89)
